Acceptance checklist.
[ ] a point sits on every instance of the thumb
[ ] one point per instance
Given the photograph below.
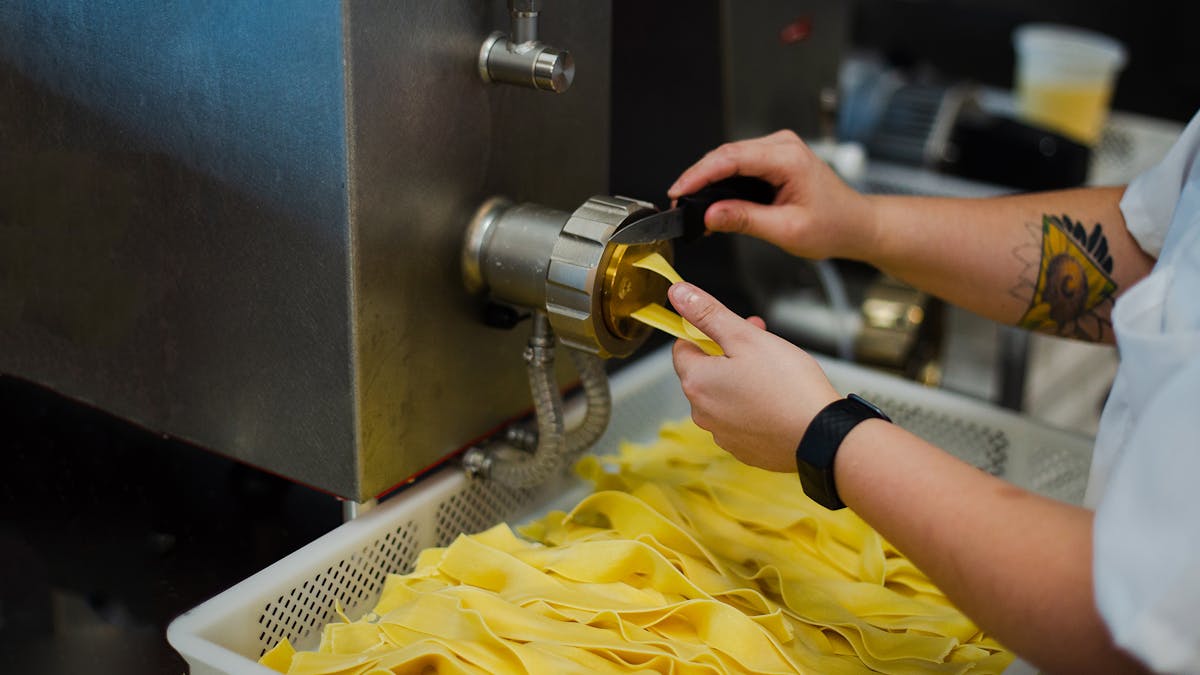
(707, 314)
(742, 217)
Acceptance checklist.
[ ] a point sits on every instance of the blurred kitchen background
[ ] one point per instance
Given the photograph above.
(892, 92)
(127, 528)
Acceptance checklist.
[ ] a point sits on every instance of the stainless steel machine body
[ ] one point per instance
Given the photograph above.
(240, 223)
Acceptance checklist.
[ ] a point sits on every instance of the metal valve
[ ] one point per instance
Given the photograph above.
(523, 60)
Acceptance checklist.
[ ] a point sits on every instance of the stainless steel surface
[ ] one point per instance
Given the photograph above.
(479, 231)
(175, 231)
(524, 25)
(352, 509)
(523, 60)
(477, 462)
(529, 64)
(241, 224)
(524, 15)
(507, 251)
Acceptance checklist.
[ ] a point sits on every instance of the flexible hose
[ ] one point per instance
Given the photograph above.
(599, 403)
(522, 470)
(554, 447)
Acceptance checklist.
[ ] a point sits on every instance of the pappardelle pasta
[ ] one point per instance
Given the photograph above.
(683, 560)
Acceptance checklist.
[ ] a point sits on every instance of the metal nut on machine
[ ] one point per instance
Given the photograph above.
(585, 302)
(628, 289)
(564, 264)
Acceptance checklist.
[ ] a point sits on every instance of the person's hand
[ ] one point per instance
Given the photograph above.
(759, 398)
(815, 214)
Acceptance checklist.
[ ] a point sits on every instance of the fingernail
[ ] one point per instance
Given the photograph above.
(682, 294)
(673, 191)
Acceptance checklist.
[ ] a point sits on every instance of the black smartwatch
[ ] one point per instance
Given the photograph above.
(818, 447)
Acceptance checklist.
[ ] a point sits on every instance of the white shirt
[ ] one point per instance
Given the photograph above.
(1145, 477)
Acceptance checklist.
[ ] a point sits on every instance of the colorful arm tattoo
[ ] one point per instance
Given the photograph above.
(1067, 280)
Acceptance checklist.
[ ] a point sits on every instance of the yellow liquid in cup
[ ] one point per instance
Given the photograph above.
(1075, 110)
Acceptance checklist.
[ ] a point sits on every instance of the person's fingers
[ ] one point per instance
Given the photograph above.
(699, 175)
(772, 159)
(765, 157)
(707, 314)
(769, 158)
(684, 350)
(684, 356)
(757, 220)
(783, 136)
(757, 322)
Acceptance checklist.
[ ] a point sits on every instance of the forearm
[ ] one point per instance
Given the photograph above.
(1017, 563)
(1018, 259)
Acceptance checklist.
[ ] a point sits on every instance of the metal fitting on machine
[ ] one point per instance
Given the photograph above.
(528, 458)
(581, 287)
(523, 60)
(477, 463)
(530, 468)
(563, 264)
(520, 437)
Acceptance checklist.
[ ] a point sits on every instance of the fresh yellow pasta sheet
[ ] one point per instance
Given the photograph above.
(684, 561)
(657, 316)
(659, 265)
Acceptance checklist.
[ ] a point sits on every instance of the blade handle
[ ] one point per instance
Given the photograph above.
(746, 188)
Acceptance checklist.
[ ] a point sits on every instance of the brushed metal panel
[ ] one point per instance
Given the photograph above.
(239, 223)
(429, 143)
(173, 221)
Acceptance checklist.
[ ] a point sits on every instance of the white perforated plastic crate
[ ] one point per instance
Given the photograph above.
(296, 596)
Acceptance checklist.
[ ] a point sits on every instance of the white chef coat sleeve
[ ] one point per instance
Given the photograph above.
(1147, 566)
(1147, 528)
(1149, 201)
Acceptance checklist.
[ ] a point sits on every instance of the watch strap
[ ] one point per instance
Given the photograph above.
(818, 447)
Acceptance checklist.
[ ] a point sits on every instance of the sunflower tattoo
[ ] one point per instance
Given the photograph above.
(1069, 273)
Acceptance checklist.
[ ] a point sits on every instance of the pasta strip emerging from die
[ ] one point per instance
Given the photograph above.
(657, 316)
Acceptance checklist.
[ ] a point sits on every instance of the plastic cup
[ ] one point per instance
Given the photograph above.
(1065, 78)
